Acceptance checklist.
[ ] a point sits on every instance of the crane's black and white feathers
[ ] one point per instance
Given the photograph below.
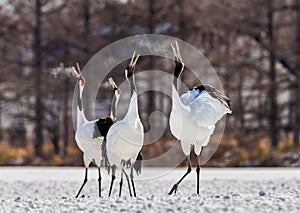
(207, 105)
(194, 116)
(125, 138)
(138, 163)
(91, 134)
(215, 94)
(195, 113)
(102, 126)
(204, 108)
(179, 65)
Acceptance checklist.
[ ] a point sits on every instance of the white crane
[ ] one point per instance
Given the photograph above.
(89, 135)
(194, 115)
(125, 137)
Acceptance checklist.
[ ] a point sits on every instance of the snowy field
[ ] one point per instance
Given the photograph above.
(36, 189)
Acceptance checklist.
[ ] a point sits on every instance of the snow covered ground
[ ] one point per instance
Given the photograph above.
(52, 189)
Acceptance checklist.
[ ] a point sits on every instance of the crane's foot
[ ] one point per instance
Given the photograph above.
(174, 189)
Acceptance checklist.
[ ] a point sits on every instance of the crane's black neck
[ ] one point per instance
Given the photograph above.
(131, 84)
(200, 88)
(176, 74)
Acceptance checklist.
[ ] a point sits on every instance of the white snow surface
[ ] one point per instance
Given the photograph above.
(53, 189)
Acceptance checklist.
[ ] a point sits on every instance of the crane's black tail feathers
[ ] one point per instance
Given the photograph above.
(215, 94)
(138, 163)
(103, 125)
(104, 156)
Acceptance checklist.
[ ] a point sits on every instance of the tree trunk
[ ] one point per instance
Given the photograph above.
(1, 136)
(241, 106)
(272, 76)
(297, 113)
(296, 128)
(66, 105)
(66, 116)
(151, 94)
(182, 28)
(87, 18)
(38, 78)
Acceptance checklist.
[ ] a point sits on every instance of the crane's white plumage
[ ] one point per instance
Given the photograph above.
(87, 136)
(90, 146)
(125, 138)
(90, 135)
(194, 116)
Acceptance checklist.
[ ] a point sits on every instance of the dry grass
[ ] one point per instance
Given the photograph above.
(253, 150)
(25, 156)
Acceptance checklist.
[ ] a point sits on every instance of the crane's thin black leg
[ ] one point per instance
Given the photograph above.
(99, 181)
(113, 177)
(84, 182)
(198, 173)
(127, 178)
(121, 184)
(174, 188)
(131, 177)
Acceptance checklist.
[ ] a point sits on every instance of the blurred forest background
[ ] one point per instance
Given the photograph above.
(253, 45)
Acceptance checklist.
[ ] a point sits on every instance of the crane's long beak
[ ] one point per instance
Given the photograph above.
(77, 74)
(112, 83)
(78, 68)
(176, 52)
(134, 59)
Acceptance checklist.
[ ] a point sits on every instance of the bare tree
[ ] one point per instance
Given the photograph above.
(272, 73)
(38, 77)
(297, 84)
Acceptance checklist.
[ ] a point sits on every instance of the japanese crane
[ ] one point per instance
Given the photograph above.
(194, 115)
(89, 135)
(125, 137)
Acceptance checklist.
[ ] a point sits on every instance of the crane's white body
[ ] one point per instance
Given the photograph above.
(193, 118)
(91, 147)
(85, 138)
(89, 135)
(125, 137)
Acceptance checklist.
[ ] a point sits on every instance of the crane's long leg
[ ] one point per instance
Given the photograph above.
(113, 177)
(198, 173)
(131, 177)
(174, 188)
(121, 184)
(99, 181)
(84, 182)
(127, 178)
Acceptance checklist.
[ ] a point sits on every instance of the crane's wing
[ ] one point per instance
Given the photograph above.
(206, 110)
(187, 98)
